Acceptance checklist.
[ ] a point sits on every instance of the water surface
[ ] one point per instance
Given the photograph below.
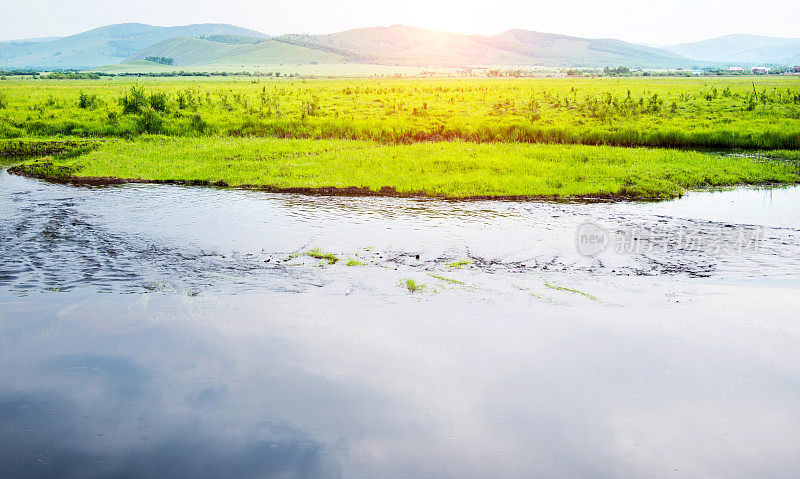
(168, 331)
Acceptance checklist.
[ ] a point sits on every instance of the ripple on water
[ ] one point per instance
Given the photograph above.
(131, 237)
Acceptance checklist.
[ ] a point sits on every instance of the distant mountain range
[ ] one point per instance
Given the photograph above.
(742, 49)
(219, 45)
(403, 45)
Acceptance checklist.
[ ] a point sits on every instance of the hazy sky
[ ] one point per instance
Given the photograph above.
(646, 21)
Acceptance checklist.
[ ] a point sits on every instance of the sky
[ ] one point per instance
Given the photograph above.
(643, 21)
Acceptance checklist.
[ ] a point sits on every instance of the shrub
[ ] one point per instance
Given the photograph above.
(182, 102)
(158, 101)
(198, 124)
(150, 122)
(86, 101)
(9, 131)
(134, 102)
(751, 103)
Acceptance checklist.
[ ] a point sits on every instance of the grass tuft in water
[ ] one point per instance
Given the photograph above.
(446, 280)
(354, 262)
(412, 286)
(569, 290)
(458, 264)
(316, 253)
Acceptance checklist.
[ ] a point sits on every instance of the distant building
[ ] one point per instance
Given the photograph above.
(736, 69)
(760, 69)
(696, 72)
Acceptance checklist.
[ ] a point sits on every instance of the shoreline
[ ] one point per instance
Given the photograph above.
(348, 191)
(384, 192)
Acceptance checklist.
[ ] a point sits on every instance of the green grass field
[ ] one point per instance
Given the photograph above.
(449, 137)
(450, 169)
(753, 113)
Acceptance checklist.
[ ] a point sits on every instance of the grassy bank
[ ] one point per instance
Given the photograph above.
(747, 113)
(451, 169)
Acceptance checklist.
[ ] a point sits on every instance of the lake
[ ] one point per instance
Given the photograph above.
(153, 330)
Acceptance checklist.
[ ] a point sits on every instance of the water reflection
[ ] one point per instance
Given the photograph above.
(773, 207)
(92, 388)
(314, 386)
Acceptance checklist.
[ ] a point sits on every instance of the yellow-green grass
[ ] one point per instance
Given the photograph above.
(752, 113)
(412, 286)
(450, 169)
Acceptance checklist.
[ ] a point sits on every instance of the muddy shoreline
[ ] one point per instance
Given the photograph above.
(357, 191)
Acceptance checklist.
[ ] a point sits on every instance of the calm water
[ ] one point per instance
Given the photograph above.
(168, 331)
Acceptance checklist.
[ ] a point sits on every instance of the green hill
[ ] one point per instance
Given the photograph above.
(232, 51)
(103, 46)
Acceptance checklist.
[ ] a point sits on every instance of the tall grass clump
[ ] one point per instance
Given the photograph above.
(149, 121)
(158, 101)
(134, 101)
(86, 101)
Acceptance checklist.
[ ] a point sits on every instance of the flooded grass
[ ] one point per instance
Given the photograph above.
(789, 155)
(569, 290)
(412, 286)
(458, 264)
(543, 298)
(316, 253)
(447, 280)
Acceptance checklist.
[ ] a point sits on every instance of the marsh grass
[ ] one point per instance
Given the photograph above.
(413, 286)
(458, 264)
(543, 298)
(569, 290)
(446, 280)
(316, 253)
(789, 155)
(449, 169)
